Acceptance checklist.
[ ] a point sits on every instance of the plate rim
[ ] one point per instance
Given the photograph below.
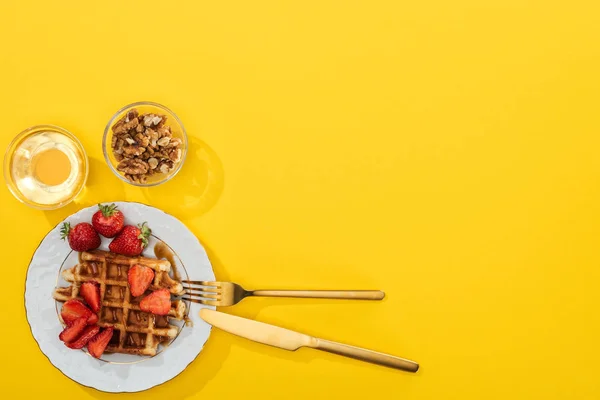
(31, 328)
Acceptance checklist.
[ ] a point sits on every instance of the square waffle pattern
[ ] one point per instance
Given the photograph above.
(135, 331)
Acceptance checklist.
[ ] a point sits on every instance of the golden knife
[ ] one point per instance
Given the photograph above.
(290, 340)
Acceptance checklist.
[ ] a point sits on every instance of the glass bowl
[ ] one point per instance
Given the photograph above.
(45, 167)
(177, 131)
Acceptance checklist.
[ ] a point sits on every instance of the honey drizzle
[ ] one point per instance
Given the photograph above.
(161, 250)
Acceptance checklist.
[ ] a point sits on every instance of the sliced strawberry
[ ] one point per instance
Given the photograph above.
(72, 331)
(74, 309)
(92, 319)
(88, 333)
(98, 343)
(158, 302)
(90, 291)
(139, 278)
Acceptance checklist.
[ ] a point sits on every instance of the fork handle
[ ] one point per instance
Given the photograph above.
(322, 294)
(371, 356)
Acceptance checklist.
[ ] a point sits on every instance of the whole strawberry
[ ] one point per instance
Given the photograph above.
(82, 237)
(131, 241)
(108, 221)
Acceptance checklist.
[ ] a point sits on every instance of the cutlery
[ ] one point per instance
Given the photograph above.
(224, 294)
(289, 340)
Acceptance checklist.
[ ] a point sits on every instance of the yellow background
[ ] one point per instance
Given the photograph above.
(443, 151)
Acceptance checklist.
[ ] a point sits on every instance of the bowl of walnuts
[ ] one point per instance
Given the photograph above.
(144, 144)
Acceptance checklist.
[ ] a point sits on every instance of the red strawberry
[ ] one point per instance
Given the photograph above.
(92, 319)
(72, 331)
(158, 302)
(139, 278)
(131, 241)
(88, 333)
(108, 221)
(74, 309)
(98, 343)
(82, 237)
(90, 291)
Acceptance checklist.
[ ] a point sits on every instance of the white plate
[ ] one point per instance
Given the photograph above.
(115, 372)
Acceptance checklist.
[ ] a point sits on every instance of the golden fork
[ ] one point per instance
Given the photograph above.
(224, 294)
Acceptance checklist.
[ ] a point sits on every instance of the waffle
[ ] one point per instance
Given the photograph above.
(135, 331)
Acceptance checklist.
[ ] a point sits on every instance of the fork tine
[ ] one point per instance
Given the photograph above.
(202, 283)
(205, 302)
(203, 289)
(195, 301)
(204, 295)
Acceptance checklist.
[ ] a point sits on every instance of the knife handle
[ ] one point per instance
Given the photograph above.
(365, 355)
(322, 294)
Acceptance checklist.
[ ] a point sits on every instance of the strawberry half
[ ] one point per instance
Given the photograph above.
(92, 319)
(90, 291)
(82, 237)
(98, 343)
(74, 309)
(158, 302)
(88, 333)
(108, 221)
(72, 331)
(139, 278)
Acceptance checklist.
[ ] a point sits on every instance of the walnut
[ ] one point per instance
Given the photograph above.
(165, 166)
(142, 139)
(163, 119)
(149, 120)
(119, 128)
(153, 162)
(123, 127)
(133, 167)
(175, 142)
(164, 131)
(131, 124)
(175, 155)
(152, 135)
(131, 115)
(133, 149)
(163, 141)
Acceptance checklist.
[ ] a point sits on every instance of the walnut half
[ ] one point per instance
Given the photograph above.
(133, 167)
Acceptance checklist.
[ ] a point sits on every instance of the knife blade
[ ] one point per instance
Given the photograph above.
(290, 340)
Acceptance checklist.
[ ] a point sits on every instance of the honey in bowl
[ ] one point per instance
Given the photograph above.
(45, 167)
